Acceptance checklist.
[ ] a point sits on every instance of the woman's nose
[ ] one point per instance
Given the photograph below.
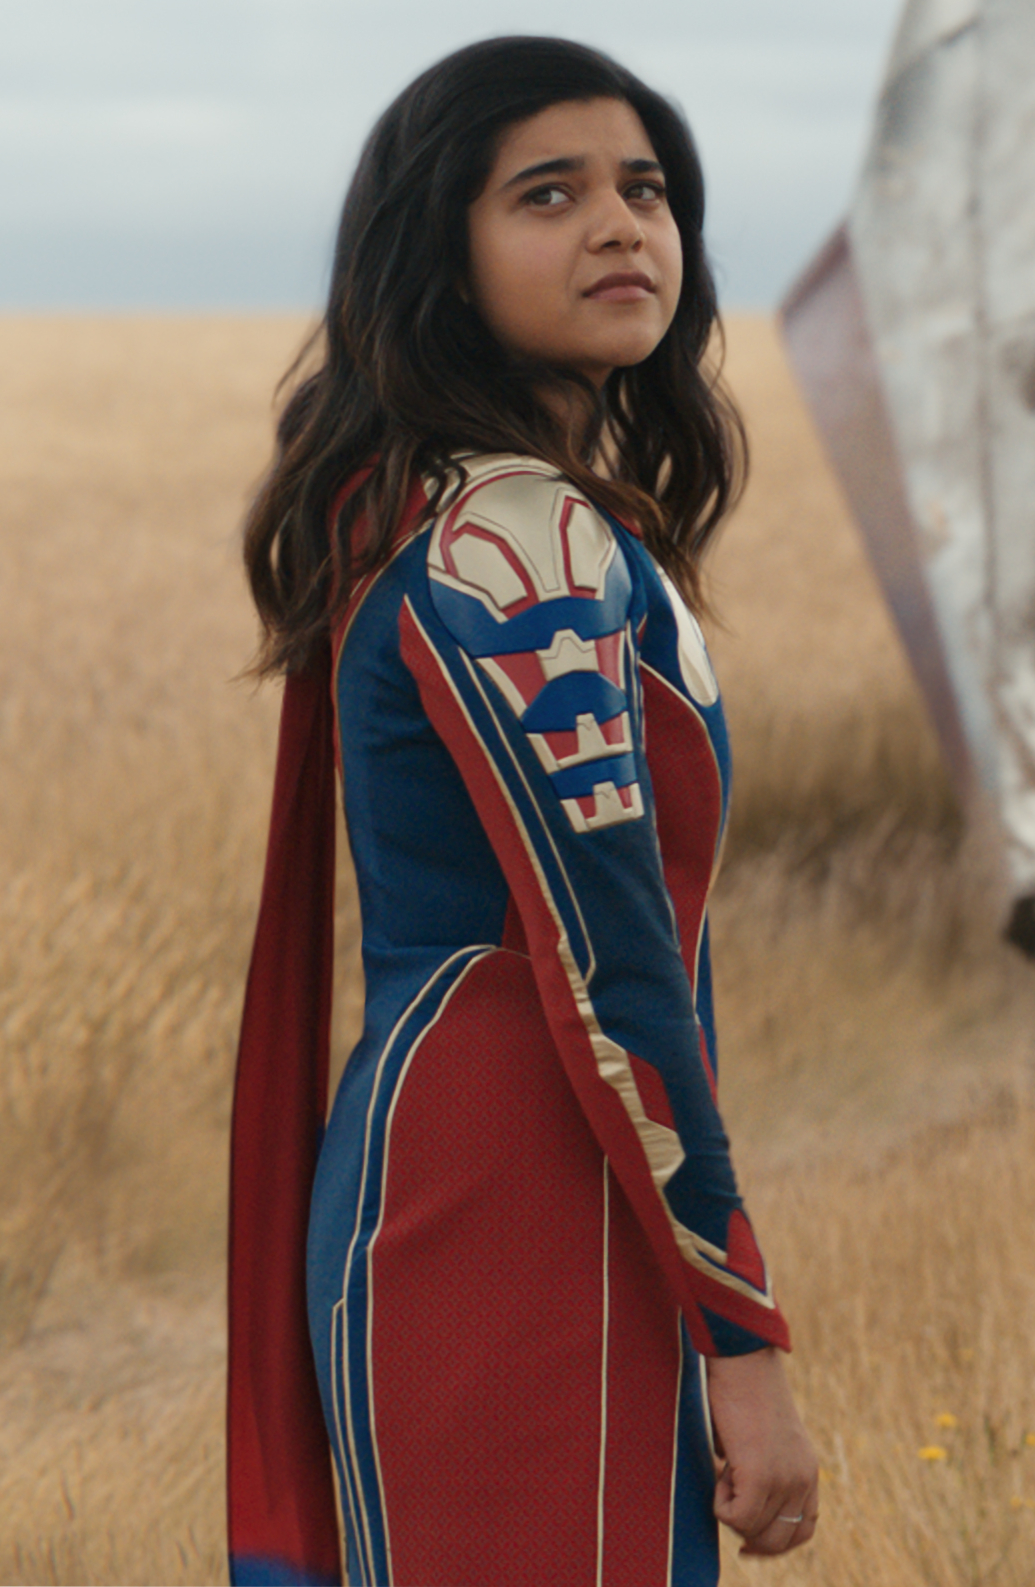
(614, 226)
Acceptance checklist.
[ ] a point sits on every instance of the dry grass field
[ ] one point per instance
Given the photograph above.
(878, 1041)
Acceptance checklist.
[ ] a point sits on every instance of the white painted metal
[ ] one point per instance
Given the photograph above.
(942, 236)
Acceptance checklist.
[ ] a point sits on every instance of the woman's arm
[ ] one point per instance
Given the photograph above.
(522, 643)
(521, 640)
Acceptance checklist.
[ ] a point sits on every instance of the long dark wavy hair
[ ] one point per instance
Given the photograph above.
(411, 375)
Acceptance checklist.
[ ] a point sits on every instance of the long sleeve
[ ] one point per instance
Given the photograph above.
(523, 638)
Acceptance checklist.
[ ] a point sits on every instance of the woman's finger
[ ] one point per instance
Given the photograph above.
(789, 1528)
(756, 1505)
(742, 1501)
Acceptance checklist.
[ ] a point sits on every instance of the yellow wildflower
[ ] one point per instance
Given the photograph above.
(1029, 1439)
(945, 1419)
(1017, 1503)
(933, 1452)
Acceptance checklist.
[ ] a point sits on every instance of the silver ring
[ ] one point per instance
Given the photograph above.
(792, 1520)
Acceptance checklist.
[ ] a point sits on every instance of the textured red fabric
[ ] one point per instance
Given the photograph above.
(680, 757)
(642, 1394)
(513, 929)
(280, 1488)
(742, 1254)
(487, 1395)
(652, 1091)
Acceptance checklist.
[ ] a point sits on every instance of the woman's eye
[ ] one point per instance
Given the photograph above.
(645, 192)
(546, 197)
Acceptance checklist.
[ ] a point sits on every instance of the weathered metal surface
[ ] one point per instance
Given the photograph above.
(825, 329)
(940, 249)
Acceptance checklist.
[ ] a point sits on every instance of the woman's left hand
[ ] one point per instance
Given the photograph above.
(767, 1490)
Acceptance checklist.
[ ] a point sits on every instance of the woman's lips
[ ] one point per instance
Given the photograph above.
(622, 286)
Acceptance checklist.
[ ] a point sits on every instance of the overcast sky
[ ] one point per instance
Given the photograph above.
(194, 153)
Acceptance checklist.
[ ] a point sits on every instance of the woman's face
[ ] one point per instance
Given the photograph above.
(575, 257)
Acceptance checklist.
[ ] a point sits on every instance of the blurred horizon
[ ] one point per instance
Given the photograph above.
(194, 156)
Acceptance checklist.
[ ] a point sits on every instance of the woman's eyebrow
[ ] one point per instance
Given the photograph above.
(568, 163)
(549, 168)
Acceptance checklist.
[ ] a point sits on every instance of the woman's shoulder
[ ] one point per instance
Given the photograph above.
(515, 531)
(515, 489)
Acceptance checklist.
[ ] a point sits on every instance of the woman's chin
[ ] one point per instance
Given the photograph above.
(625, 351)
(598, 363)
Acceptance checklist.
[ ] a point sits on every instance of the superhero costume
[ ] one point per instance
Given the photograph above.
(524, 1228)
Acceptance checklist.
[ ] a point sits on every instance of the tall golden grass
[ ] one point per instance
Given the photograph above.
(877, 1039)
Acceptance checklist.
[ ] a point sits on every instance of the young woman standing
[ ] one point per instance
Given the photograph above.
(476, 556)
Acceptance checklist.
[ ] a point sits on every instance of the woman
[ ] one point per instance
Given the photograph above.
(524, 1235)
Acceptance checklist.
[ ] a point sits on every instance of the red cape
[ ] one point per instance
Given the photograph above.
(282, 1517)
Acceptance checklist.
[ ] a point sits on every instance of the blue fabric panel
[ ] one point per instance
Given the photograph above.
(350, 1175)
(250, 1571)
(576, 780)
(730, 1338)
(481, 634)
(408, 811)
(695, 1541)
(563, 699)
(705, 1001)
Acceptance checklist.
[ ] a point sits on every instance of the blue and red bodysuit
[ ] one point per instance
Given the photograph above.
(524, 1227)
